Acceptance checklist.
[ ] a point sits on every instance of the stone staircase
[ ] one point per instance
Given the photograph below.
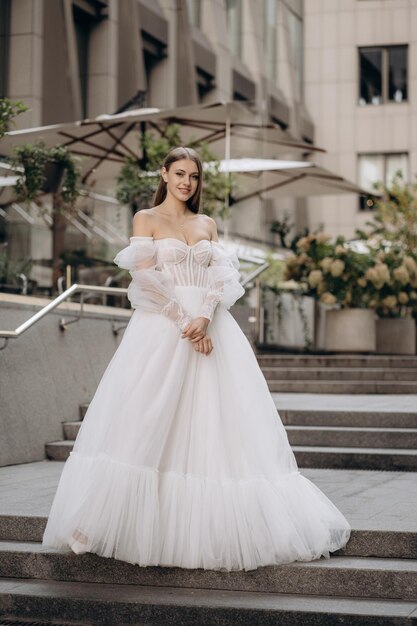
(331, 439)
(374, 581)
(340, 374)
(337, 439)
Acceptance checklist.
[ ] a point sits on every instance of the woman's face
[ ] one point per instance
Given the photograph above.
(181, 178)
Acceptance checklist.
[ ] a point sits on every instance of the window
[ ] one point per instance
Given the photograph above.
(83, 24)
(5, 6)
(295, 25)
(270, 38)
(234, 23)
(383, 74)
(194, 12)
(373, 168)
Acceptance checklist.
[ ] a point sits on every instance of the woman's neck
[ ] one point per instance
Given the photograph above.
(173, 207)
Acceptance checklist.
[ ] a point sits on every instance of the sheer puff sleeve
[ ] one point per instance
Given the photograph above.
(224, 286)
(151, 288)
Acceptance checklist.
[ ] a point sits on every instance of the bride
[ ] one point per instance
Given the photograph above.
(182, 459)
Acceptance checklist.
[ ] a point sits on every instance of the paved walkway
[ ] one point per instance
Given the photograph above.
(371, 500)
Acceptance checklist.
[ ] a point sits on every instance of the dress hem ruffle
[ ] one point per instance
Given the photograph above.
(170, 519)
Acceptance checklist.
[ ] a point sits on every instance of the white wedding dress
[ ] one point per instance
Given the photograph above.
(181, 459)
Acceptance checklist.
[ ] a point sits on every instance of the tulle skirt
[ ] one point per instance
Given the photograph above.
(182, 460)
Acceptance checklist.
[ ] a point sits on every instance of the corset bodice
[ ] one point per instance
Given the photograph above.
(186, 264)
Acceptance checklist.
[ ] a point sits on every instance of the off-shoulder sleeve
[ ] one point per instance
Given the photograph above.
(223, 280)
(151, 289)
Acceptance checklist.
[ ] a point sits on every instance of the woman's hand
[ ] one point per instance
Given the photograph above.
(204, 346)
(196, 330)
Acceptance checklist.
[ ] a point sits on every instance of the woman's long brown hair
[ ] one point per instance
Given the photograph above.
(176, 154)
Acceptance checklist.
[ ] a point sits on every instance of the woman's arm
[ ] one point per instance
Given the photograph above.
(151, 288)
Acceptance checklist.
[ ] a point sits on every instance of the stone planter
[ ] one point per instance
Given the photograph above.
(288, 321)
(350, 330)
(396, 336)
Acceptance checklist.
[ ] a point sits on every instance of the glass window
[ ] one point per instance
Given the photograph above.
(194, 12)
(395, 163)
(5, 6)
(83, 24)
(270, 38)
(296, 39)
(397, 73)
(371, 170)
(377, 168)
(383, 74)
(234, 23)
(371, 75)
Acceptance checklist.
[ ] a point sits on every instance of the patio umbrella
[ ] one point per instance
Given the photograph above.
(107, 140)
(285, 179)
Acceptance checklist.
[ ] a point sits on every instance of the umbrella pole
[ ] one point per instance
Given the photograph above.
(227, 141)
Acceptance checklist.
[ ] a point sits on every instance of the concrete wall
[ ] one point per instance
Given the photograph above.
(46, 373)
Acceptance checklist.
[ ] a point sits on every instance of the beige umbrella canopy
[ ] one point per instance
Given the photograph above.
(284, 179)
(105, 142)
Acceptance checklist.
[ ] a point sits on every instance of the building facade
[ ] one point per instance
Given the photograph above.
(71, 59)
(360, 87)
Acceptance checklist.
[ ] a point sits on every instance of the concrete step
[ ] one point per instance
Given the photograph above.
(83, 409)
(108, 605)
(319, 450)
(376, 543)
(362, 577)
(59, 450)
(336, 360)
(371, 419)
(341, 374)
(388, 459)
(300, 417)
(71, 430)
(352, 437)
(342, 387)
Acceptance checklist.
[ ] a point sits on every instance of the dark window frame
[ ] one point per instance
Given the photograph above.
(5, 17)
(384, 74)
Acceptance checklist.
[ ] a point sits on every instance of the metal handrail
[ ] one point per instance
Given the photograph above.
(255, 273)
(76, 288)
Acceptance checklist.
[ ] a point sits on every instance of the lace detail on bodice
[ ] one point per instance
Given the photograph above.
(157, 266)
(186, 264)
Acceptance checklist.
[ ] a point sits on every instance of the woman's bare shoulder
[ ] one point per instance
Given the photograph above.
(143, 223)
(210, 224)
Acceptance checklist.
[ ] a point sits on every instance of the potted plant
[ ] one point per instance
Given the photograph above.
(392, 235)
(49, 170)
(334, 274)
(288, 313)
(46, 170)
(393, 289)
(8, 111)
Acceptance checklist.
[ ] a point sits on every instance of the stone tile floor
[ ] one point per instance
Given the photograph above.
(371, 500)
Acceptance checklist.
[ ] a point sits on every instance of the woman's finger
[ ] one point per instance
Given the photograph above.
(197, 339)
(191, 330)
